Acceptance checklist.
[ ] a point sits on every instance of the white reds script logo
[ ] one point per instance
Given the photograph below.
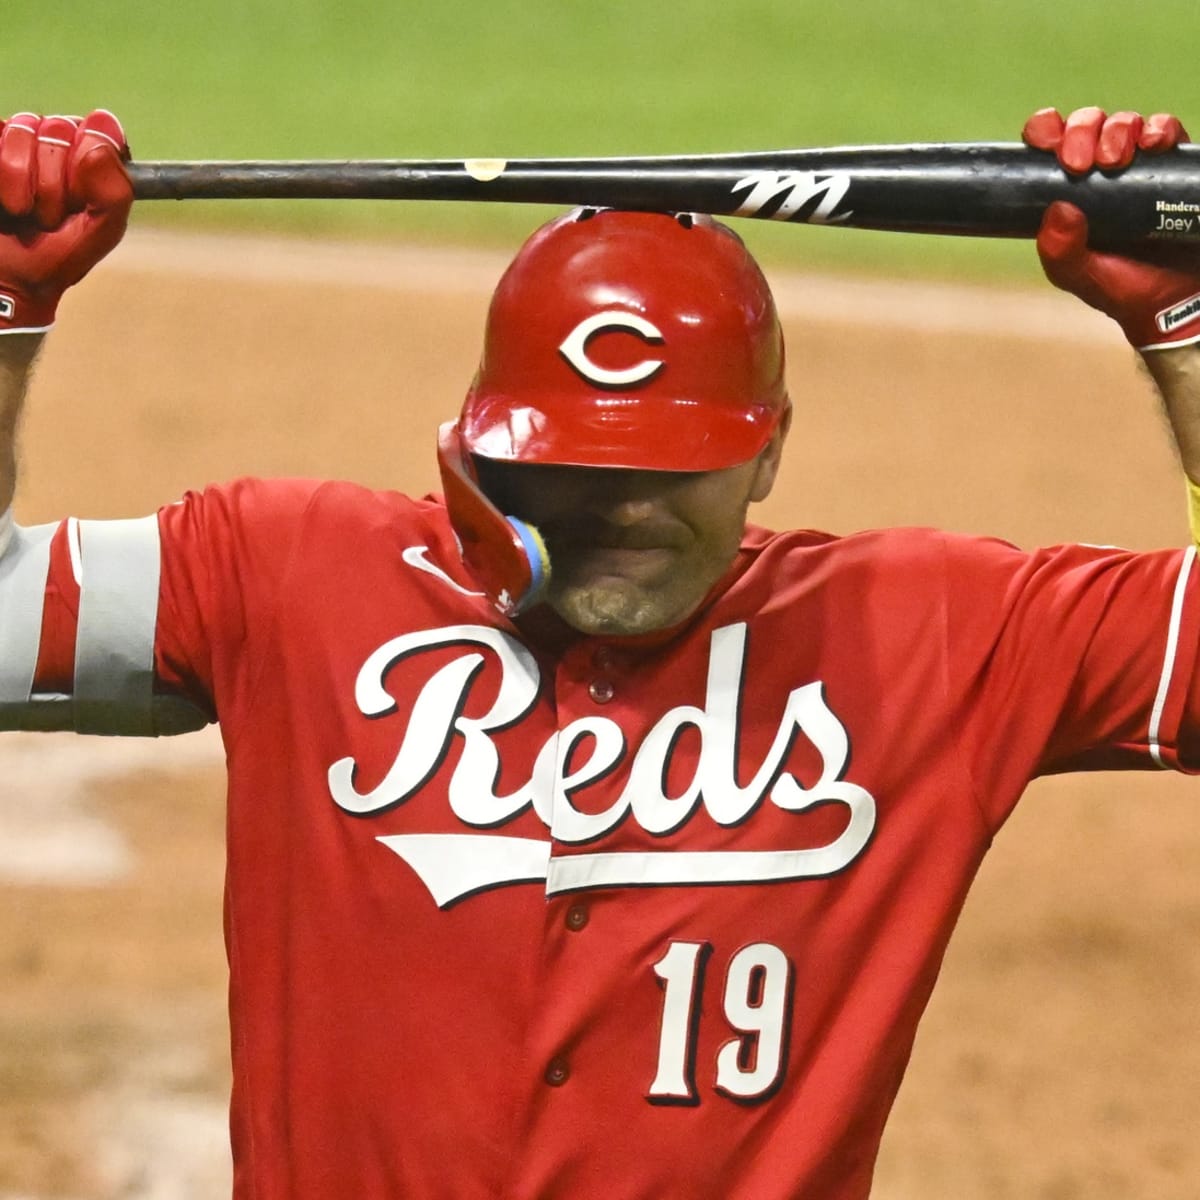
(797, 188)
(456, 865)
(574, 348)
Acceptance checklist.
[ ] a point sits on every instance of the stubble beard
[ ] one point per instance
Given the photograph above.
(612, 610)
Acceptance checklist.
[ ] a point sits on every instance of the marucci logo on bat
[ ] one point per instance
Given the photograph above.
(585, 752)
(795, 191)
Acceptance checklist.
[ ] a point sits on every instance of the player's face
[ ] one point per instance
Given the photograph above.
(632, 551)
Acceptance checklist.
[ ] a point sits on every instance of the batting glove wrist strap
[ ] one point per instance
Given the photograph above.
(20, 314)
(1177, 325)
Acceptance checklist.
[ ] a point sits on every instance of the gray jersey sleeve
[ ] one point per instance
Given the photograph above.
(117, 566)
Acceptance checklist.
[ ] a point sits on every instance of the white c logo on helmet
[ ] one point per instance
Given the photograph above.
(574, 348)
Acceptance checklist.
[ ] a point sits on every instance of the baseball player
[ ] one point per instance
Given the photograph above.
(584, 840)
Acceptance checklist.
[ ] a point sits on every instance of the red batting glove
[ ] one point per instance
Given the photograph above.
(1154, 298)
(64, 204)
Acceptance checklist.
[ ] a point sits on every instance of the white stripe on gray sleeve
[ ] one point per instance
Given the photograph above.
(1172, 650)
(24, 569)
(118, 610)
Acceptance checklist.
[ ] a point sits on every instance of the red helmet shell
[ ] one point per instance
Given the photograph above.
(640, 340)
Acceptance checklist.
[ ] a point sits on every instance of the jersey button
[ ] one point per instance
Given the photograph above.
(601, 690)
(577, 917)
(557, 1072)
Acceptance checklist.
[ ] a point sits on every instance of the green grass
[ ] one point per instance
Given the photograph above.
(457, 78)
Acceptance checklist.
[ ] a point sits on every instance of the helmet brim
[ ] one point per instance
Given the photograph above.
(637, 433)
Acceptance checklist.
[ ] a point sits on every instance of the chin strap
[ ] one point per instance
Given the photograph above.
(507, 556)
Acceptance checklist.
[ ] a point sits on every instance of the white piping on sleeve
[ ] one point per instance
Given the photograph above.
(75, 552)
(1168, 670)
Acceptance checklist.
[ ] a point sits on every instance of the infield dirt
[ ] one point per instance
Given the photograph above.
(1059, 1058)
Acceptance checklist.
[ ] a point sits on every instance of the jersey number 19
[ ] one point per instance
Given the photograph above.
(757, 1005)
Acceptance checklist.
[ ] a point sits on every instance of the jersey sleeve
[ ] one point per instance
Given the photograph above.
(222, 560)
(1073, 658)
(225, 558)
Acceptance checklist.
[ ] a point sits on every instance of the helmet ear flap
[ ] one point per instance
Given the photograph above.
(507, 556)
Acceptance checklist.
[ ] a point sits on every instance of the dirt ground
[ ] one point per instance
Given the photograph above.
(1059, 1058)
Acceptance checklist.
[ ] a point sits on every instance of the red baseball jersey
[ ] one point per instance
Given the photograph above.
(516, 913)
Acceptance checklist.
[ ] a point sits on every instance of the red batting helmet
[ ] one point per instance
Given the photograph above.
(623, 339)
(647, 341)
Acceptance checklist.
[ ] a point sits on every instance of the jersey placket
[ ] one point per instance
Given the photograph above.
(589, 688)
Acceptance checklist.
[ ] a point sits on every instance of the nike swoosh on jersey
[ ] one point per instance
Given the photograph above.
(415, 556)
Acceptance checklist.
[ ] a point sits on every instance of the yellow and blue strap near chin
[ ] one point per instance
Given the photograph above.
(1193, 489)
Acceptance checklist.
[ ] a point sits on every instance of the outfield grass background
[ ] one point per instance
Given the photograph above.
(506, 78)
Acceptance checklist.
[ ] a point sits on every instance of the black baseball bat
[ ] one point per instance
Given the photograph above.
(992, 189)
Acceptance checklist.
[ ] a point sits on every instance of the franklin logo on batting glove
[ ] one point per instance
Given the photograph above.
(1178, 315)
